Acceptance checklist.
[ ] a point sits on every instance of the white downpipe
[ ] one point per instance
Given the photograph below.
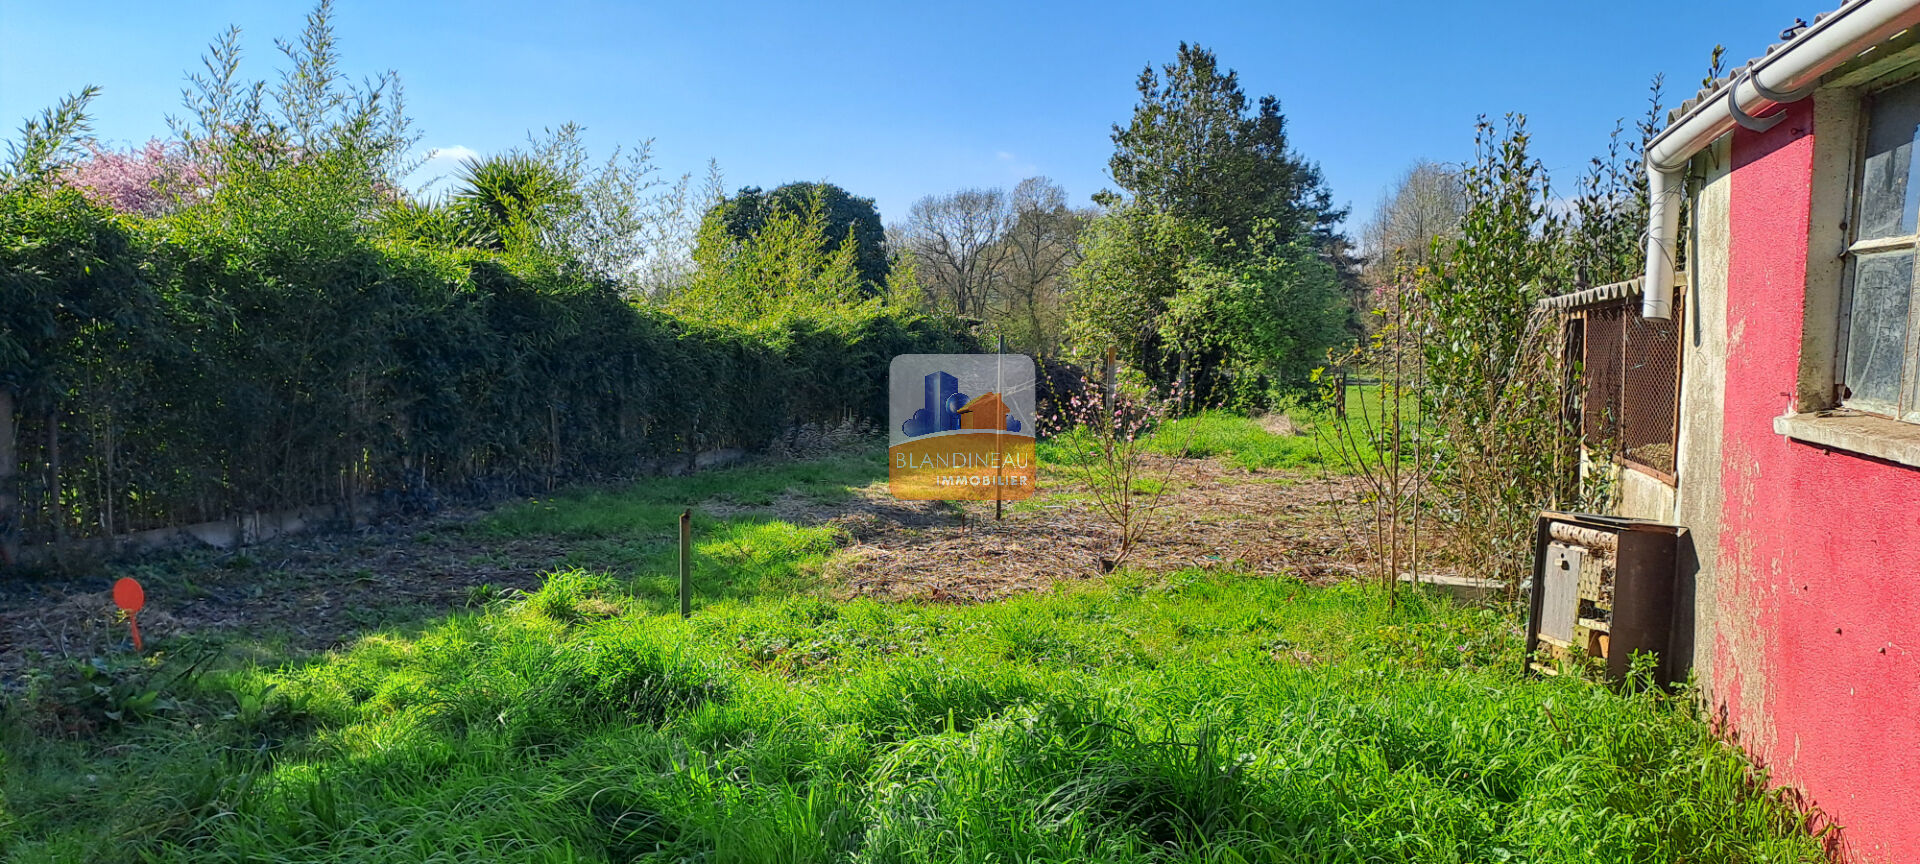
(1664, 190)
(1786, 75)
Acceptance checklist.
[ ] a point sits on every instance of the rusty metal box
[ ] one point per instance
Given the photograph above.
(1603, 589)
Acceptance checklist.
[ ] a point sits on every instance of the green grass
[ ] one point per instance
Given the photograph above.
(1317, 443)
(1235, 439)
(651, 507)
(1196, 716)
(1199, 718)
(1243, 443)
(632, 532)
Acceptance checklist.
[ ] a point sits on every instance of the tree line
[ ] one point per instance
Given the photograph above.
(252, 314)
(1217, 268)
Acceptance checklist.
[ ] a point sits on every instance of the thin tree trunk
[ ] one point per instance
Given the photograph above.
(1419, 467)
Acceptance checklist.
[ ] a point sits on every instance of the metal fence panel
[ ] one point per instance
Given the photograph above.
(1631, 370)
(1650, 391)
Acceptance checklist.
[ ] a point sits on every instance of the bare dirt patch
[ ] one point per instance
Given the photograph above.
(1279, 424)
(1213, 517)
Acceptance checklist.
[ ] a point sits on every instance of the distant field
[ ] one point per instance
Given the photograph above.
(1309, 436)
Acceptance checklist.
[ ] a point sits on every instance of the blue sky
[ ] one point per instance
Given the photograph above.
(899, 100)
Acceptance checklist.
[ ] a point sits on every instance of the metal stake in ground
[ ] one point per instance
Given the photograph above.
(686, 563)
(1000, 449)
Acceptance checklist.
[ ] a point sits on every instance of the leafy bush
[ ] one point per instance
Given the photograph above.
(1231, 323)
(1491, 378)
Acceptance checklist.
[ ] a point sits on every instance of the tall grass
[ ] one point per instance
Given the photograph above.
(1194, 717)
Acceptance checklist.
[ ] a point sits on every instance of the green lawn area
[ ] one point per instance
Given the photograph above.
(1247, 443)
(1244, 443)
(1187, 716)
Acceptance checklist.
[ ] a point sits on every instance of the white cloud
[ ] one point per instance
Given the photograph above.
(439, 164)
(453, 154)
(1014, 167)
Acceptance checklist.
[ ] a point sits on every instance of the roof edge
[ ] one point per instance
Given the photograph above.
(1593, 296)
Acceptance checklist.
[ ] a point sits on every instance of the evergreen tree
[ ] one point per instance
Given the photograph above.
(1196, 151)
(1222, 272)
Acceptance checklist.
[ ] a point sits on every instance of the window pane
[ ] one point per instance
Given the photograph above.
(1889, 195)
(1877, 332)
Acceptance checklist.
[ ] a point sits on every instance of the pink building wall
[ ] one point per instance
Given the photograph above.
(1816, 650)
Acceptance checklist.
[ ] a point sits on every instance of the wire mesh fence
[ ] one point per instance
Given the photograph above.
(1600, 368)
(1650, 390)
(1631, 369)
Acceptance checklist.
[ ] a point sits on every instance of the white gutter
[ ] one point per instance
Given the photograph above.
(1787, 74)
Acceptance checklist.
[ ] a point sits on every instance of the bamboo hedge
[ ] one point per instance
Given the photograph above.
(165, 372)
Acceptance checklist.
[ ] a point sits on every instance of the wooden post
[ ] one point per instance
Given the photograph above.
(686, 563)
(9, 491)
(553, 444)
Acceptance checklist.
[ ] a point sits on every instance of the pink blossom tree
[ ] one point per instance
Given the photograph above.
(148, 181)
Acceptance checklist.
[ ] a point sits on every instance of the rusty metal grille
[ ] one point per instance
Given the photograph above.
(1631, 368)
(1600, 368)
(1650, 391)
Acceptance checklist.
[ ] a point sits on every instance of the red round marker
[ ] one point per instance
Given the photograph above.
(128, 595)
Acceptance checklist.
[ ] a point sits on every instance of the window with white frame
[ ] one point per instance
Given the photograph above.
(1878, 369)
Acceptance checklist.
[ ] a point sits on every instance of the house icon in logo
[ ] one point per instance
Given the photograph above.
(988, 412)
(944, 409)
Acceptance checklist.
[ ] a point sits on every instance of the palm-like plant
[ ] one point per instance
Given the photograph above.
(502, 199)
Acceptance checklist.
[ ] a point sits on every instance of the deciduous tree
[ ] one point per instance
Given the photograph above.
(1043, 243)
(1425, 206)
(149, 181)
(957, 243)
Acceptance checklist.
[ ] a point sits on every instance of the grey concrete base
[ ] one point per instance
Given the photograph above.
(1463, 590)
(1854, 432)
